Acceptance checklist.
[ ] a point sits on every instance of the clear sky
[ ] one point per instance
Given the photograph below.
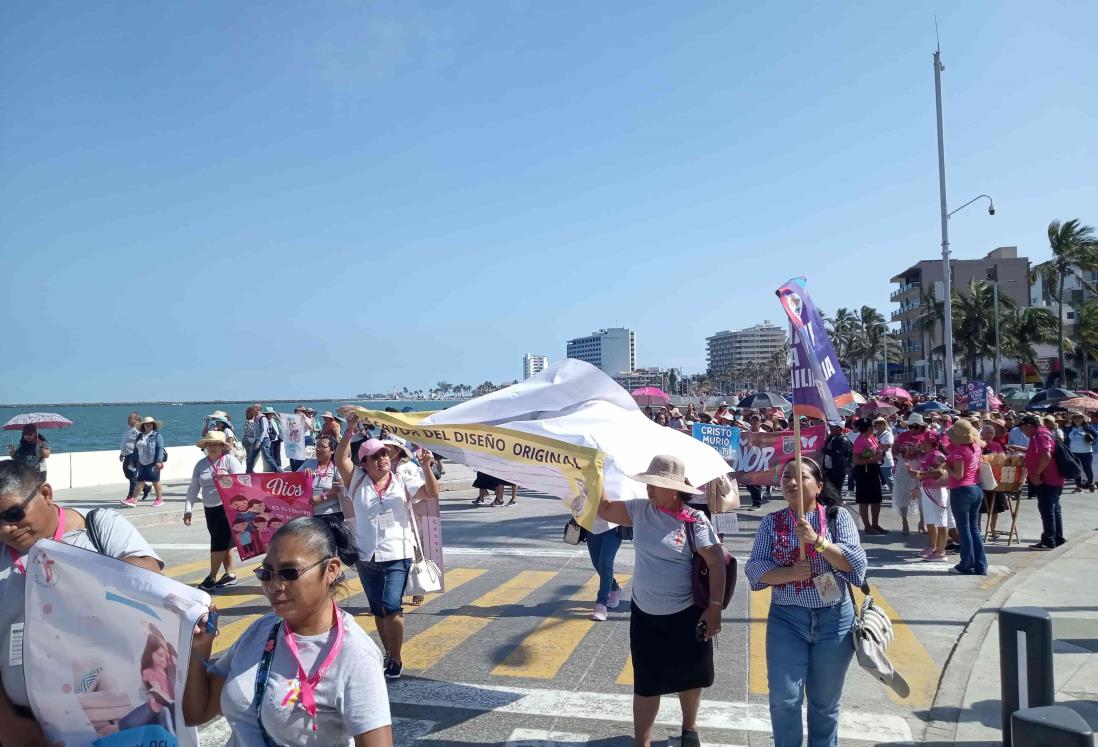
(260, 199)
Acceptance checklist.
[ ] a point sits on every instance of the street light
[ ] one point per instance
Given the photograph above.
(947, 278)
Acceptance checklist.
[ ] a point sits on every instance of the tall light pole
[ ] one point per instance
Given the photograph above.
(947, 275)
(993, 276)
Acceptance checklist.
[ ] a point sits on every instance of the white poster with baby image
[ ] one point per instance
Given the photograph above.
(105, 649)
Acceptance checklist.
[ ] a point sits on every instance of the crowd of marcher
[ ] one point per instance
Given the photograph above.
(368, 491)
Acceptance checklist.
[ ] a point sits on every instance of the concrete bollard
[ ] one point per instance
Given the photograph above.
(1025, 662)
(1050, 726)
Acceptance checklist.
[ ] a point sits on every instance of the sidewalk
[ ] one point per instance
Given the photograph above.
(1064, 585)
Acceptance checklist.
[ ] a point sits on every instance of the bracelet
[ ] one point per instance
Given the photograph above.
(716, 604)
(821, 544)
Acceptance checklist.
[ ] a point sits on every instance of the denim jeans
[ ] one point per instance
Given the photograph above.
(886, 476)
(265, 449)
(603, 548)
(384, 583)
(965, 504)
(1048, 504)
(807, 652)
(1086, 459)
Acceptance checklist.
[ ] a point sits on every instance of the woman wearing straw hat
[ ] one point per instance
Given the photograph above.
(217, 461)
(149, 459)
(1080, 436)
(331, 426)
(966, 496)
(670, 639)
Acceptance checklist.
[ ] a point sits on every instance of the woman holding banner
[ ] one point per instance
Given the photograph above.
(218, 461)
(382, 502)
(809, 563)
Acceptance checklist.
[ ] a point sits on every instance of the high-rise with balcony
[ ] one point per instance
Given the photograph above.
(613, 350)
(756, 344)
(920, 289)
(533, 364)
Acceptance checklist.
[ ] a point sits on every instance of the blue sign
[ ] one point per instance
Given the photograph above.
(724, 438)
(977, 396)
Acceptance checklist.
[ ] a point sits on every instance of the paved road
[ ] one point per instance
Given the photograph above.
(508, 654)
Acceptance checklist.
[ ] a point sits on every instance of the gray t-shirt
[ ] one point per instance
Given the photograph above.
(119, 539)
(351, 698)
(661, 574)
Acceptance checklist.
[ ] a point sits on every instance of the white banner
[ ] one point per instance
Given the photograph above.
(293, 436)
(106, 649)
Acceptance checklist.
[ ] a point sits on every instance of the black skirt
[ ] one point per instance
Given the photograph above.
(667, 655)
(217, 524)
(485, 481)
(867, 483)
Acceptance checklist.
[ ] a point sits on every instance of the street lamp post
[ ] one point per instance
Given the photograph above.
(947, 275)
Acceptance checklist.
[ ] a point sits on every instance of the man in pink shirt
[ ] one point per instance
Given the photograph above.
(1045, 477)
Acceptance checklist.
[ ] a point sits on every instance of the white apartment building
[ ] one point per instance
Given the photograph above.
(613, 350)
(643, 377)
(533, 364)
(756, 344)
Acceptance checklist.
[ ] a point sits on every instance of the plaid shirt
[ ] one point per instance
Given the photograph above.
(777, 545)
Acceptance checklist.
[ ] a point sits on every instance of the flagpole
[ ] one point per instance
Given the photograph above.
(796, 425)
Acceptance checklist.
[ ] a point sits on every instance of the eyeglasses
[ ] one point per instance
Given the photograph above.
(286, 574)
(15, 514)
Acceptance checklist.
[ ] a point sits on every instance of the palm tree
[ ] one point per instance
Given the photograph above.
(843, 331)
(873, 330)
(974, 323)
(1023, 329)
(931, 317)
(1086, 335)
(1074, 249)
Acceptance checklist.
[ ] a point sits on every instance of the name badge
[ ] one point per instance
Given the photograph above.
(385, 520)
(15, 645)
(827, 587)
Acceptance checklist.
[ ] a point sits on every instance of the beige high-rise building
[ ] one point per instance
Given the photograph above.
(756, 344)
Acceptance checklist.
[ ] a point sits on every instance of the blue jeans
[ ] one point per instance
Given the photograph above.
(886, 475)
(807, 651)
(265, 449)
(603, 548)
(965, 504)
(1052, 524)
(384, 583)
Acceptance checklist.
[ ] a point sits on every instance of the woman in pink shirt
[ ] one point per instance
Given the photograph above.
(867, 476)
(934, 498)
(966, 496)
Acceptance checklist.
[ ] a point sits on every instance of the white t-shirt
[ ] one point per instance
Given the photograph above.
(351, 698)
(119, 539)
(887, 437)
(382, 524)
(202, 479)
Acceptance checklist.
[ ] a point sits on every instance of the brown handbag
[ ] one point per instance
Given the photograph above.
(699, 570)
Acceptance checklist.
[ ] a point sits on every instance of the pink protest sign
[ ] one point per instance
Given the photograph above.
(258, 504)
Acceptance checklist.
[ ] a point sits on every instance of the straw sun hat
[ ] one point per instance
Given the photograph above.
(213, 437)
(146, 420)
(666, 471)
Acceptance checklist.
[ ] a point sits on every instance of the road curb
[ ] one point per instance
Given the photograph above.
(962, 659)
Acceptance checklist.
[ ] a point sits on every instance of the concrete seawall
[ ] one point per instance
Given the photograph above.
(84, 469)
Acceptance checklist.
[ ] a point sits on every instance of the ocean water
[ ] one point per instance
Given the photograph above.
(101, 427)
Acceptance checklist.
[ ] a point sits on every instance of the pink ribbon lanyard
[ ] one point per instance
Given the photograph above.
(16, 558)
(215, 466)
(681, 515)
(309, 683)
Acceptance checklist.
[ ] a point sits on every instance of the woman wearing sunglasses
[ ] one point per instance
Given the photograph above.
(28, 513)
(305, 674)
(382, 502)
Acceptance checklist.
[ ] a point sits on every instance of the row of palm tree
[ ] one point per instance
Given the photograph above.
(862, 339)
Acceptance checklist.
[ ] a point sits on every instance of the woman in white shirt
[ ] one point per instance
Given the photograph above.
(306, 675)
(383, 532)
(217, 461)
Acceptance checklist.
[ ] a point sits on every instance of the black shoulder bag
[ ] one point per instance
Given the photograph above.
(699, 569)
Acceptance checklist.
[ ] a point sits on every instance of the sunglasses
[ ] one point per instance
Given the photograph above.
(286, 574)
(15, 514)
(379, 455)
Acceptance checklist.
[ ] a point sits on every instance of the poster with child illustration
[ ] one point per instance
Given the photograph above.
(103, 650)
(258, 504)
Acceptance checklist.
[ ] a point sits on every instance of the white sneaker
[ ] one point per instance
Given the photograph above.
(599, 613)
(614, 600)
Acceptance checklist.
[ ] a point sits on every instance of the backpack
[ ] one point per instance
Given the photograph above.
(1066, 462)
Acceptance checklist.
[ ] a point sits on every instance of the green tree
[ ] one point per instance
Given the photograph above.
(1022, 329)
(931, 319)
(1074, 250)
(1086, 337)
(974, 323)
(870, 344)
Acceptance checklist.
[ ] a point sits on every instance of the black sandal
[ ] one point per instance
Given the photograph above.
(512, 502)
(478, 501)
(497, 502)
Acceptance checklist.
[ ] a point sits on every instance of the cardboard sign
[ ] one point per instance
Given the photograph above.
(258, 504)
(763, 455)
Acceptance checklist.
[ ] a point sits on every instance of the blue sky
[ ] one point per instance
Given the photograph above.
(210, 199)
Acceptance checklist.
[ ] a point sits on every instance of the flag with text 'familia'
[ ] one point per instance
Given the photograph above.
(819, 385)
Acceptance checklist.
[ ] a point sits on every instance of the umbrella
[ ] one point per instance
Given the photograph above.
(858, 398)
(1078, 404)
(1050, 397)
(895, 391)
(932, 406)
(763, 400)
(650, 395)
(39, 419)
(877, 407)
(1019, 396)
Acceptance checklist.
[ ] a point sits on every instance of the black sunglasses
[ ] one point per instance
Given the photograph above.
(286, 574)
(377, 455)
(15, 514)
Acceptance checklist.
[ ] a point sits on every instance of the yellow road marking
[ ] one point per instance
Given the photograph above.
(545, 651)
(756, 650)
(427, 648)
(626, 676)
(908, 656)
(187, 568)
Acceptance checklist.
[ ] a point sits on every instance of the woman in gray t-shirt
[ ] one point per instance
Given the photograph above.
(670, 639)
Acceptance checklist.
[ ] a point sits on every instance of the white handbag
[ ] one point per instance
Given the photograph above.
(424, 577)
(987, 477)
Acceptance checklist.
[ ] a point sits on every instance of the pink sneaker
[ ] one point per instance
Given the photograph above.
(599, 613)
(614, 600)
(926, 552)
(158, 502)
(935, 555)
(129, 502)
